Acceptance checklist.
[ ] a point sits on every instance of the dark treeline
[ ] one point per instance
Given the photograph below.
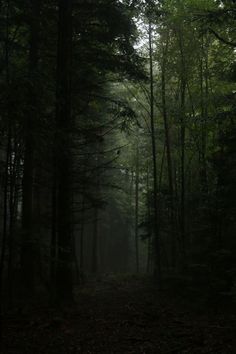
(57, 61)
(118, 144)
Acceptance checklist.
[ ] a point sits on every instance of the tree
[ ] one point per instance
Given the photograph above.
(63, 155)
(28, 241)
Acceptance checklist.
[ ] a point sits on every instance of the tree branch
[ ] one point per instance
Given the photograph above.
(225, 41)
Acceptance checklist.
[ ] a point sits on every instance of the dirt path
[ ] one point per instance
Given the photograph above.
(119, 317)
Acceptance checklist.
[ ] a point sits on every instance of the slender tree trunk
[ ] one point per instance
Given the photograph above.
(168, 153)
(63, 155)
(82, 240)
(13, 199)
(183, 196)
(76, 261)
(204, 113)
(157, 266)
(149, 251)
(137, 211)
(131, 188)
(182, 144)
(5, 210)
(53, 244)
(6, 177)
(95, 242)
(205, 121)
(28, 246)
(5, 228)
(16, 182)
(95, 211)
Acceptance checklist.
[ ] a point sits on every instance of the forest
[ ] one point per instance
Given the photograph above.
(117, 176)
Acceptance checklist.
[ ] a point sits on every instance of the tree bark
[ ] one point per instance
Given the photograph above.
(204, 114)
(6, 174)
(137, 210)
(157, 266)
(14, 164)
(182, 147)
(81, 259)
(53, 243)
(168, 153)
(28, 242)
(63, 173)
(149, 229)
(95, 242)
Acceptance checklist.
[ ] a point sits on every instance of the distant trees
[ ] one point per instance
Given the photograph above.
(189, 86)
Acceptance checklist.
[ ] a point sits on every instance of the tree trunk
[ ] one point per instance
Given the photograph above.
(63, 162)
(5, 228)
(28, 246)
(6, 177)
(157, 266)
(182, 144)
(14, 164)
(168, 153)
(53, 242)
(149, 229)
(204, 114)
(82, 240)
(137, 211)
(95, 242)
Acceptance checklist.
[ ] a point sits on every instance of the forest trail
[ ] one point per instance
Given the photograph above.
(123, 315)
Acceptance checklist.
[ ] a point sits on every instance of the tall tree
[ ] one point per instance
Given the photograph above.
(137, 210)
(157, 269)
(28, 241)
(63, 171)
(165, 44)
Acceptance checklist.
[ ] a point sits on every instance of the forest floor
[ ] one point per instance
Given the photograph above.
(123, 315)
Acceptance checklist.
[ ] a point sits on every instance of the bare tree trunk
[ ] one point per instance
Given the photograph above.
(137, 210)
(5, 210)
(6, 178)
(95, 242)
(182, 144)
(82, 240)
(5, 227)
(168, 154)
(149, 251)
(27, 245)
(53, 243)
(157, 266)
(76, 261)
(63, 155)
(95, 211)
(14, 164)
(204, 113)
